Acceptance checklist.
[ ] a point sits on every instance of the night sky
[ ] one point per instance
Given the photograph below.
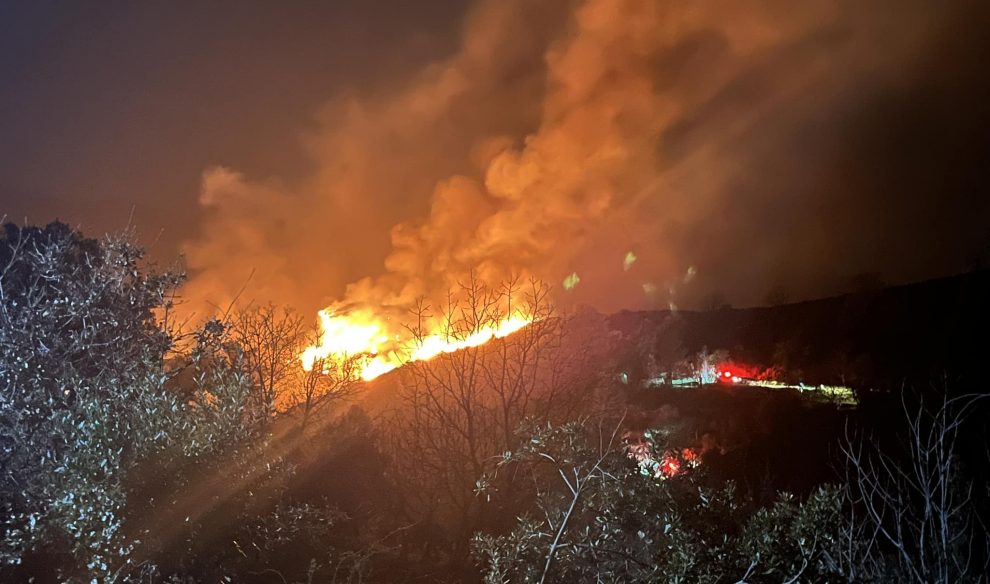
(110, 106)
(372, 150)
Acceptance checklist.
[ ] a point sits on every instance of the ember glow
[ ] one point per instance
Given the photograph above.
(361, 333)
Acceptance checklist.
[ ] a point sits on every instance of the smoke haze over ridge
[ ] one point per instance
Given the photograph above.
(713, 138)
(730, 147)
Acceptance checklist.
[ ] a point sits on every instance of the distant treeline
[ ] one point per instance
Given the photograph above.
(915, 334)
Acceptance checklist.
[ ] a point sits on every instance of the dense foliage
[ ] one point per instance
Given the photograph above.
(604, 517)
(132, 450)
(116, 447)
(81, 368)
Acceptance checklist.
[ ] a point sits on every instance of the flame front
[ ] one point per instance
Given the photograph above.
(362, 333)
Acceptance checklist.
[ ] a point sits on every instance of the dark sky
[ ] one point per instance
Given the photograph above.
(105, 106)
(736, 148)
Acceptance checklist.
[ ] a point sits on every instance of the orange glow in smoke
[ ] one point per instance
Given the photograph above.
(361, 333)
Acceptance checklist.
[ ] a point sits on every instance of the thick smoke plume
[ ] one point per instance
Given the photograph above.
(661, 151)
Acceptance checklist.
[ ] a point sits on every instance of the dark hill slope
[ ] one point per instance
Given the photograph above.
(915, 333)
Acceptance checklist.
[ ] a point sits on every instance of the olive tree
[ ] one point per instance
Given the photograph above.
(87, 395)
(79, 353)
(606, 513)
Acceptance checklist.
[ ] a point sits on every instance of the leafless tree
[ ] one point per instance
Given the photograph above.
(919, 506)
(330, 379)
(271, 339)
(459, 411)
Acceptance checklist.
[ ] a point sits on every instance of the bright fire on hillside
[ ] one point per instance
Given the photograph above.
(363, 334)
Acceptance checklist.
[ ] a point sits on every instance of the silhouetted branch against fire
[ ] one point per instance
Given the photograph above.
(457, 411)
(329, 379)
(271, 339)
(470, 315)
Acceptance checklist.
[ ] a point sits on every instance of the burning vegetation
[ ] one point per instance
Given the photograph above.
(504, 445)
(379, 350)
(462, 411)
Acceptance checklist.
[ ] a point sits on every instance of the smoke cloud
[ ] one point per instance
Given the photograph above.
(725, 147)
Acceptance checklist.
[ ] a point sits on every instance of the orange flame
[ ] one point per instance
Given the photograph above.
(363, 333)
